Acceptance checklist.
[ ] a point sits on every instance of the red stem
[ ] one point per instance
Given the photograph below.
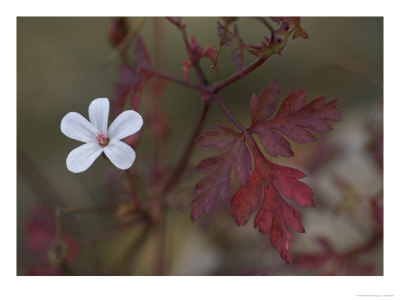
(176, 80)
(200, 76)
(174, 22)
(250, 68)
(228, 113)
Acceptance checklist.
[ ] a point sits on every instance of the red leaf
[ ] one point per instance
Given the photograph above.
(217, 184)
(269, 184)
(209, 51)
(274, 215)
(133, 78)
(264, 105)
(220, 137)
(232, 39)
(293, 119)
(242, 161)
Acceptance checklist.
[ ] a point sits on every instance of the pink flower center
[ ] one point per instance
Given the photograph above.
(102, 139)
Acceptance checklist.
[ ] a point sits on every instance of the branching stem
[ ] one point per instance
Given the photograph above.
(176, 80)
(250, 68)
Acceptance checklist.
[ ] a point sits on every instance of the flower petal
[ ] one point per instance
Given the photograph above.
(127, 123)
(76, 127)
(98, 113)
(120, 154)
(81, 158)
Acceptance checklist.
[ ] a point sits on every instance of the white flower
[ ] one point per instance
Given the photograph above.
(98, 138)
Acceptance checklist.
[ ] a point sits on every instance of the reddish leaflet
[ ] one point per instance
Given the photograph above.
(218, 182)
(198, 53)
(233, 39)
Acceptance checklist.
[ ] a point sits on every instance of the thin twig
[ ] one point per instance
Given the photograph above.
(174, 22)
(176, 80)
(250, 68)
(199, 73)
(228, 113)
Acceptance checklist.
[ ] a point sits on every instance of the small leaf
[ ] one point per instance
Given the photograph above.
(273, 142)
(133, 78)
(238, 58)
(264, 105)
(217, 184)
(220, 137)
(293, 119)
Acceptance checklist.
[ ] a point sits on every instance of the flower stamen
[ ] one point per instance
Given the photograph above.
(102, 139)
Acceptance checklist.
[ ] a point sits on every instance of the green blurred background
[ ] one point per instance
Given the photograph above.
(62, 64)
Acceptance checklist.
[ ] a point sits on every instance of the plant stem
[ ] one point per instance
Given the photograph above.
(174, 22)
(250, 68)
(176, 80)
(177, 174)
(200, 75)
(228, 113)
